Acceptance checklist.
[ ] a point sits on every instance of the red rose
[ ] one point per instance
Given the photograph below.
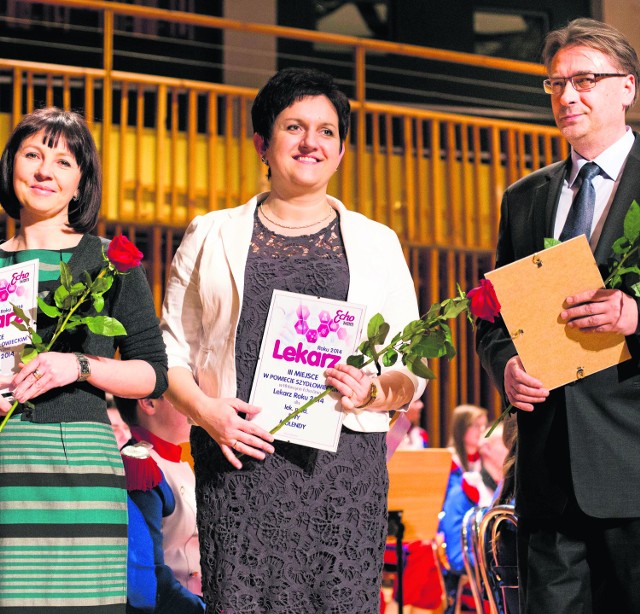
(123, 254)
(484, 302)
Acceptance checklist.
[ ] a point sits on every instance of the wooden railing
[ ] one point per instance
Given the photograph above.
(174, 148)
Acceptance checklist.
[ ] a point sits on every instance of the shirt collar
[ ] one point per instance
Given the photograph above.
(611, 160)
(169, 451)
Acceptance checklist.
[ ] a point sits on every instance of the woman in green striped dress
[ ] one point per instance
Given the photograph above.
(63, 503)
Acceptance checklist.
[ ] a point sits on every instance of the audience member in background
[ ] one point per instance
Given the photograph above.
(468, 423)
(506, 544)
(416, 437)
(119, 426)
(477, 488)
(162, 487)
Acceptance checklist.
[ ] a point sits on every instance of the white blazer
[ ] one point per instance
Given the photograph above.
(205, 290)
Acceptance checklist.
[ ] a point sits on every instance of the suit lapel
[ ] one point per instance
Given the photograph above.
(546, 202)
(628, 190)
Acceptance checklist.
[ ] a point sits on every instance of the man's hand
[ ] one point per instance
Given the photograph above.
(602, 311)
(522, 390)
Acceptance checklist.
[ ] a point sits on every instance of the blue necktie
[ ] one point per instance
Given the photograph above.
(581, 213)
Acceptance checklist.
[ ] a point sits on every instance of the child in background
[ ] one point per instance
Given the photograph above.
(162, 486)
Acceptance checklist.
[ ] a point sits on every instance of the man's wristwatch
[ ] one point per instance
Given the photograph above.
(84, 368)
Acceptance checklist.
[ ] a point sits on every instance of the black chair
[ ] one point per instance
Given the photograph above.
(498, 558)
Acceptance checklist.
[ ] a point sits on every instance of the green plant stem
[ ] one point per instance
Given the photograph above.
(59, 329)
(6, 418)
(619, 265)
(297, 412)
(502, 416)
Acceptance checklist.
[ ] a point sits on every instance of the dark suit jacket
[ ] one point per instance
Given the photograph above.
(585, 438)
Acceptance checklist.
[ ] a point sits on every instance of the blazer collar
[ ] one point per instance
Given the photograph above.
(236, 231)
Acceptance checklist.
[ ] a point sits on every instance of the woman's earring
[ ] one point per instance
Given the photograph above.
(75, 196)
(264, 160)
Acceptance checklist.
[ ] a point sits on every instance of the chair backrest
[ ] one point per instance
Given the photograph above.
(470, 535)
(498, 558)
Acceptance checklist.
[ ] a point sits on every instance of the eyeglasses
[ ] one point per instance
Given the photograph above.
(581, 83)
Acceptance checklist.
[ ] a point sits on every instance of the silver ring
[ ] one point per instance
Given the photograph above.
(36, 374)
(235, 443)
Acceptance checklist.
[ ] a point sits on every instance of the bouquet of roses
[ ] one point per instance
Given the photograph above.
(120, 257)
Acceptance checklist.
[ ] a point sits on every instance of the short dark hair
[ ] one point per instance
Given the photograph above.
(128, 409)
(599, 36)
(290, 85)
(55, 124)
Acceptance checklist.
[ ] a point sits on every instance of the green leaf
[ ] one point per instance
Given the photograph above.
(20, 313)
(433, 312)
(36, 339)
(383, 331)
(450, 350)
(101, 284)
(98, 302)
(419, 368)
(28, 354)
(413, 327)
(455, 308)
(366, 349)
(77, 289)
(87, 279)
(50, 311)
(104, 325)
(635, 288)
(389, 358)
(19, 326)
(373, 328)
(60, 296)
(431, 346)
(632, 222)
(66, 278)
(356, 360)
(619, 246)
(69, 302)
(550, 242)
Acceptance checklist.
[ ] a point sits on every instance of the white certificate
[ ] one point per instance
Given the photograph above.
(18, 286)
(304, 335)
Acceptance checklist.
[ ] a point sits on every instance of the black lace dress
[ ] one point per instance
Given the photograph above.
(304, 530)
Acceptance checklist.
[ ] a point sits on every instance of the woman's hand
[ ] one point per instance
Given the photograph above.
(232, 433)
(46, 371)
(353, 384)
(5, 404)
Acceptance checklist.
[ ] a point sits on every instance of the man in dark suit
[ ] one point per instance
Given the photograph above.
(578, 467)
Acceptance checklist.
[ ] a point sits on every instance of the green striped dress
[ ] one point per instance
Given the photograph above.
(63, 512)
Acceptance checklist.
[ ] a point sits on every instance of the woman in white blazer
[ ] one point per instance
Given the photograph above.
(287, 528)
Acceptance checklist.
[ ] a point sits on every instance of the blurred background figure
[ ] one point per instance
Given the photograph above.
(162, 486)
(119, 426)
(416, 437)
(476, 488)
(468, 423)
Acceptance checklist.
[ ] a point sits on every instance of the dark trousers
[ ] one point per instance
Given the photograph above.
(576, 564)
